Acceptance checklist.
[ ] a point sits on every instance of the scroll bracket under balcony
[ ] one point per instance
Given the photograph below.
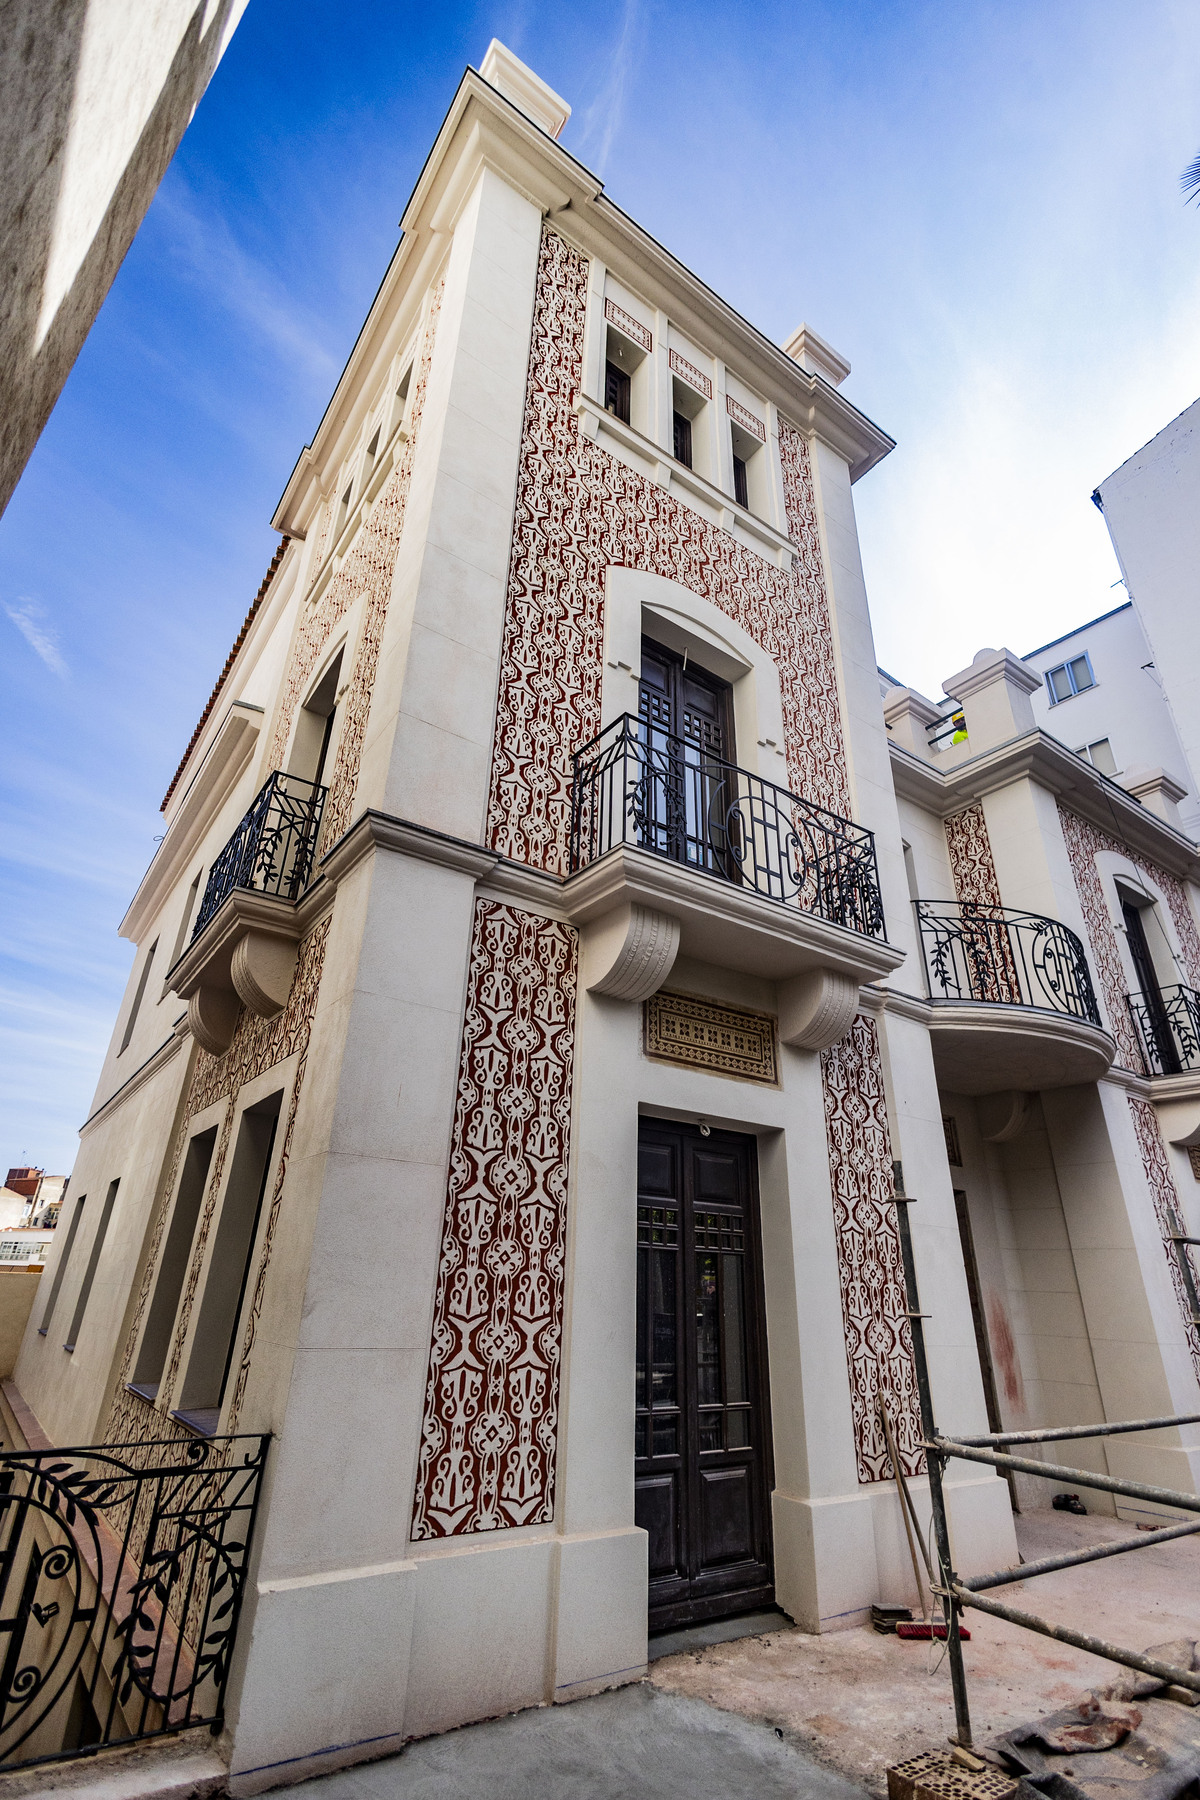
(816, 1009)
(629, 952)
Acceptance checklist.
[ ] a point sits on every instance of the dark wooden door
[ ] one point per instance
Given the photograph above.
(703, 1459)
(691, 782)
(1143, 963)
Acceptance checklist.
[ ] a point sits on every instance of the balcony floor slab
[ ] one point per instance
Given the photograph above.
(986, 1047)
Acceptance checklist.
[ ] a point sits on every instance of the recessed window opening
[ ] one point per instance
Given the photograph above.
(189, 907)
(910, 873)
(369, 456)
(687, 407)
(1069, 678)
(310, 758)
(89, 1274)
(400, 399)
(138, 997)
(343, 510)
(1100, 756)
(747, 468)
(624, 378)
(64, 1259)
(229, 1269)
(173, 1266)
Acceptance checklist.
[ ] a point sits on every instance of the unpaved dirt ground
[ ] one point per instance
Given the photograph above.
(859, 1701)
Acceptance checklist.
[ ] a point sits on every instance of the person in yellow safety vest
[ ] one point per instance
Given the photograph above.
(960, 729)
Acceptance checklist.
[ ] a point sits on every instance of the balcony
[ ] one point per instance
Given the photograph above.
(1014, 1006)
(675, 851)
(1168, 1030)
(243, 948)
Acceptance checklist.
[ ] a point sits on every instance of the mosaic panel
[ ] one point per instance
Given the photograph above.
(1167, 1212)
(729, 1040)
(971, 861)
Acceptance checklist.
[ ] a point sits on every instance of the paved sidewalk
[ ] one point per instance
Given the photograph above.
(635, 1744)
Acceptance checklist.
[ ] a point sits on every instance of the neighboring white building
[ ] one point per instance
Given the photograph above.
(1104, 697)
(94, 98)
(1151, 505)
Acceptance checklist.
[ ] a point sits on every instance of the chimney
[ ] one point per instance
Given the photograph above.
(527, 91)
(994, 695)
(815, 355)
(907, 716)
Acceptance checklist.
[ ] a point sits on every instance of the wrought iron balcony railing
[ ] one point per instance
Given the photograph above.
(121, 1581)
(638, 785)
(1168, 1030)
(272, 850)
(976, 952)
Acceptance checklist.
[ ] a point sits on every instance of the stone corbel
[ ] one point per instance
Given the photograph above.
(245, 956)
(262, 967)
(212, 1018)
(816, 1009)
(1003, 1116)
(629, 952)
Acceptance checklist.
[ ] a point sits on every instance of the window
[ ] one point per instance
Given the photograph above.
(1070, 678)
(683, 440)
(343, 511)
(314, 727)
(1099, 755)
(617, 391)
(189, 907)
(749, 472)
(89, 1274)
(64, 1259)
(229, 1268)
(369, 460)
(741, 490)
(160, 1320)
(134, 1010)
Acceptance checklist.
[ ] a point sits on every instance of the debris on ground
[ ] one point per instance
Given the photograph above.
(939, 1775)
(924, 1630)
(1069, 1503)
(886, 1618)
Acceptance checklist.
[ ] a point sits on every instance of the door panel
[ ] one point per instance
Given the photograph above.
(703, 1470)
(689, 803)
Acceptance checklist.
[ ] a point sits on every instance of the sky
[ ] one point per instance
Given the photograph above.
(978, 205)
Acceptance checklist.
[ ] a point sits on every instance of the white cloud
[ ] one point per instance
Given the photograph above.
(601, 120)
(29, 617)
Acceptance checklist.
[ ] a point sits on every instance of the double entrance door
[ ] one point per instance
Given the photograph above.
(703, 1460)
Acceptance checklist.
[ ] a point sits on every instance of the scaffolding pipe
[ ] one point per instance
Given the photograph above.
(1132, 1659)
(1109, 1484)
(1047, 1565)
(1052, 1433)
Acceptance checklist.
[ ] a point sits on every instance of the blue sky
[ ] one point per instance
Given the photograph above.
(977, 204)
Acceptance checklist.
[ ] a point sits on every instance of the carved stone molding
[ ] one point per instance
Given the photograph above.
(816, 1009)
(629, 953)
(262, 967)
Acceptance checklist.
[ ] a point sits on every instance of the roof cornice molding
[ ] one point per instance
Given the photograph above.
(1041, 758)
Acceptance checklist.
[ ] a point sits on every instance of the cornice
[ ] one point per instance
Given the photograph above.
(158, 1059)
(378, 830)
(1041, 758)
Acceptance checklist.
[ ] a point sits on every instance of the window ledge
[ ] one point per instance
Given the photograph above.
(594, 419)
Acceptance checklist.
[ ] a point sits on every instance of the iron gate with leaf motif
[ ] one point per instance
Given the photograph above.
(122, 1570)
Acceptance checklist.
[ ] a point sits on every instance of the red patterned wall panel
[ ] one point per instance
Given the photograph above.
(491, 1404)
(971, 861)
(874, 1300)
(579, 510)
(1167, 1211)
(1084, 840)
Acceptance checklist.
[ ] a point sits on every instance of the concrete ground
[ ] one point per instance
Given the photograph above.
(858, 1701)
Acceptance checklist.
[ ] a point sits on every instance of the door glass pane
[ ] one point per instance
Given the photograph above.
(666, 1435)
(710, 1429)
(737, 1428)
(708, 1332)
(665, 1381)
(733, 1309)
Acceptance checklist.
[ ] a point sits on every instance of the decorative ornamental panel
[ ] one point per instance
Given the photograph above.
(631, 327)
(870, 1266)
(741, 415)
(1084, 841)
(491, 1402)
(1168, 1213)
(689, 373)
(258, 1045)
(971, 862)
(728, 1040)
(579, 511)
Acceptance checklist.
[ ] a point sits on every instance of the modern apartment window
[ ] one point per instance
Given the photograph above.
(1070, 678)
(64, 1259)
(173, 1266)
(1100, 756)
(229, 1269)
(741, 487)
(89, 1274)
(683, 440)
(138, 997)
(617, 391)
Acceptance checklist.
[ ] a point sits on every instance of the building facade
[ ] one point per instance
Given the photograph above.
(531, 1017)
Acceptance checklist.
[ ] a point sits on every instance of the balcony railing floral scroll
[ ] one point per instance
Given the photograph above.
(1168, 1030)
(122, 1570)
(638, 785)
(272, 850)
(992, 953)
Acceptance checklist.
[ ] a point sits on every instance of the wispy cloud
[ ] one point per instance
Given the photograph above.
(601, 119)
(29, 619)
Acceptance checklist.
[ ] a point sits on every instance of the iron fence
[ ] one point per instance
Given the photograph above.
(636, 784)
(272, 849)
(122, 1570)
(977, 952)
(1168, 1029)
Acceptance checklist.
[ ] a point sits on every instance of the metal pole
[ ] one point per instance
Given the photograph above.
(1053, 1434)
(894, 1457)
(1048, 1564)
(936, 1458)
(1109, 1484)
(1132, 1659)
